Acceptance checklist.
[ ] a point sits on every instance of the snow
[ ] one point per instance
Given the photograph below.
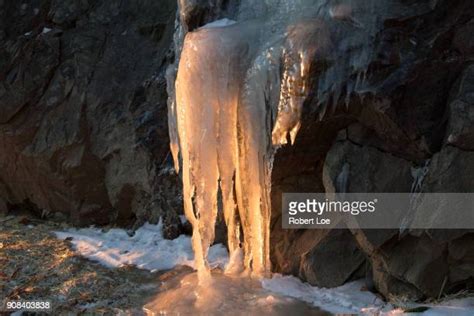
(146, 249)
(350, 299)
(454, 307)
(46, 30)
(458, 307)
(345, 299)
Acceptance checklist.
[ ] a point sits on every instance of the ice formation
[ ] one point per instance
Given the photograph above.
(227, 82)
(223, 146)
(239, 93)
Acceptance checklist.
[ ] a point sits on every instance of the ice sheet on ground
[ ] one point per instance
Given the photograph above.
(224, 295)
(345, 299)
(350, 299)
(146, 249)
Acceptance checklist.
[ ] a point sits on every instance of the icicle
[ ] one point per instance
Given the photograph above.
(224, 82)
(171, 71)
(301, 48)
(172, 116)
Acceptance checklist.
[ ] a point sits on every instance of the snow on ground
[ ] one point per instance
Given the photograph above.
(345, 299)
(146, 249)
(350, 299)
(457, 307)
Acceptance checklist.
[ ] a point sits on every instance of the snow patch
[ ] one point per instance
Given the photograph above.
(146, 249)
(344, 299)
(349, 299)
(457, 307)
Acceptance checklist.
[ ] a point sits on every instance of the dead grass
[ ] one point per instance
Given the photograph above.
(36, 265)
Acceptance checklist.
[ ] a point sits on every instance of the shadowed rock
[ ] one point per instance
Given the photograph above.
(83, 110)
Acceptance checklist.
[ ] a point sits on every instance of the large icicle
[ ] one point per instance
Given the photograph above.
(228, 80)
(223, 144)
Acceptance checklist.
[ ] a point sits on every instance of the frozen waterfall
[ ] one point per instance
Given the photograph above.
(238, 95)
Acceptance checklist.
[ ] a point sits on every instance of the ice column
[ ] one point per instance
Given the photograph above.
(232, 93)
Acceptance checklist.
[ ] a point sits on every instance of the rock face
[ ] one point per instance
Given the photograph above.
(412, 132)
(83, 126)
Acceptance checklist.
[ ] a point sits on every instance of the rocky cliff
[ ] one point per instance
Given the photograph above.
(83, 127)
(411, 131)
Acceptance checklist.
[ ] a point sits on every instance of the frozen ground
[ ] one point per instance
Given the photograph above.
(345, 299)
(147, 249)
(350, 299)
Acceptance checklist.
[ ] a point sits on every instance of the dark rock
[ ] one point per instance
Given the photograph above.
(335, 260)
(461, 262)
(83, 110)
(450, 170)
(418, 262)
(369, 169)
(411, 132)
(416, 265)
(462, 40)
(460, 131)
